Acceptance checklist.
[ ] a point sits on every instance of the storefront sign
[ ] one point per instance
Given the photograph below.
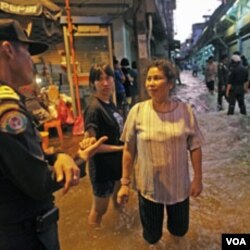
(29, 10)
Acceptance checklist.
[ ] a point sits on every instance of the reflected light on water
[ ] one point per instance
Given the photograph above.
(217, 211)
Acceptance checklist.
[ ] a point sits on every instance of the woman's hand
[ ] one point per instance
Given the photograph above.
(123, 195)
(196, 187)
(89, 146)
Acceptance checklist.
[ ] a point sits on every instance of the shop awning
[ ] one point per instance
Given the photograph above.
(44, 8)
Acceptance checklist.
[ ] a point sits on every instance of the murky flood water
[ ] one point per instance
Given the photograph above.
(223, 207)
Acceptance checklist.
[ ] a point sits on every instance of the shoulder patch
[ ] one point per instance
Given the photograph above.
(7, 92)
(13, 122)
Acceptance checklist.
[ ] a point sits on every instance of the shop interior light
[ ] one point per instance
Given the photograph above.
(38, 80)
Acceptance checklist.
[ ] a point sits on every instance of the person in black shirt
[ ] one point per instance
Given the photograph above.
(237, 85)
(128, 83)
(222, 80)
(103, 119)
(120, 90)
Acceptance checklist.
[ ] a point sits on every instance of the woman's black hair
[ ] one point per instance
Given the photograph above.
(124, 62)
(210, 58)
(97, 70)
(167, 68)
(223, 56)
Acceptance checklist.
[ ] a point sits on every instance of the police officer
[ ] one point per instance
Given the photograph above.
(28, 177)
(237, 85)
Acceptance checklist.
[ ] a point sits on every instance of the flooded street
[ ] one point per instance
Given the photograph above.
(223, 207)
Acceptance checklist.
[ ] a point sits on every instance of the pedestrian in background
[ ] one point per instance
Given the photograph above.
(28, 177)
(125, 67)
(119, 87)
(102, 118)
(195, 69)
(210, 74)
(177, 67)
(157, 134)
(237, 85)
(222, 80)
(134, 87)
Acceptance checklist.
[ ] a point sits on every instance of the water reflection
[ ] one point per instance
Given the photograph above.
(222, 208)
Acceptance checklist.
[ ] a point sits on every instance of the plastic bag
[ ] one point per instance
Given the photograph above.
(70, 116)
(78, 128)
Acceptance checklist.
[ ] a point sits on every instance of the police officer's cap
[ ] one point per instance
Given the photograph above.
(11, 30)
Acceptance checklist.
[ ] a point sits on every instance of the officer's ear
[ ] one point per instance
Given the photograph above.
(8, 48)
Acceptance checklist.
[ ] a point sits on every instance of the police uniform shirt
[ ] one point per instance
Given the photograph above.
(25, 176)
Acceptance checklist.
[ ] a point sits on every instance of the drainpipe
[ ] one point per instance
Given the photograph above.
(150, 28)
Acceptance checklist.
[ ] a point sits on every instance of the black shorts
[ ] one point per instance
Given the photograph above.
(103, 189)
(152, 216)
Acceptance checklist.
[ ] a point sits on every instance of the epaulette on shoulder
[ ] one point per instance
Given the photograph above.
(6, 107)
(7, 93)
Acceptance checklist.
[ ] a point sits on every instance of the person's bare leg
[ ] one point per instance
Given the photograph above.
(181, 243)
(98, 209)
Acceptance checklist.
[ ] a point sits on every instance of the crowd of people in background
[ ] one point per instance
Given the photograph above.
(126, 84)
(229, 76)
